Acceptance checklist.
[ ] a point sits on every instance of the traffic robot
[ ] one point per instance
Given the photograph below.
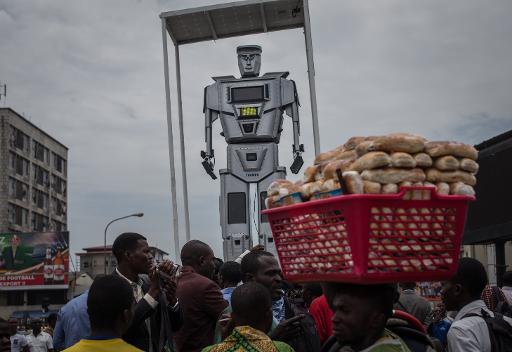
(250, 110)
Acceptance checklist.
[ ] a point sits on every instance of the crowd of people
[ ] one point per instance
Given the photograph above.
(245, 305)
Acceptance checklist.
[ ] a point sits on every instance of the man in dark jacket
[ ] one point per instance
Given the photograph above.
(200, 297)
(292, 323)
(157, 312)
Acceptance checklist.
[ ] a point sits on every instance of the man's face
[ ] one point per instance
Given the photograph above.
(352, 318)
(207, 265)
(269, 275)
(249, 64)
(15, 240)
(141, 259)
(450, 295)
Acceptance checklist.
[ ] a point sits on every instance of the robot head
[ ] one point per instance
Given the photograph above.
(249, 60)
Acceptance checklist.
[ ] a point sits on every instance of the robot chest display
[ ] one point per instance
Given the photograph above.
(250, 110)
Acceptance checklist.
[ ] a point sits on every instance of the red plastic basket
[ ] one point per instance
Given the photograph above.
(366, 238)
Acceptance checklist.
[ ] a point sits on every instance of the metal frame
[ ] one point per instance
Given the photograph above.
(213, 35)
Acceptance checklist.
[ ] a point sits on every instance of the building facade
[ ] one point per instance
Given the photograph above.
(33, 177)
(33, 198)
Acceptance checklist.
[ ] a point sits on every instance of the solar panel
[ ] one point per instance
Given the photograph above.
(233, 19)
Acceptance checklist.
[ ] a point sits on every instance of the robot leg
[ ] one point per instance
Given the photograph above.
(234, 215)
(265, 234)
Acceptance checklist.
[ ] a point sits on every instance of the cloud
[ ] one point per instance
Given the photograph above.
(91, 74)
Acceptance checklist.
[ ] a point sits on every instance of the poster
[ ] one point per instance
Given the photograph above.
(34, 260)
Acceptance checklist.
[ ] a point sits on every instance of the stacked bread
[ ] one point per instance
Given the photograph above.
(381, 165)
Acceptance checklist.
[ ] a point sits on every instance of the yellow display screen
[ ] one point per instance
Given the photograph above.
(248, 111)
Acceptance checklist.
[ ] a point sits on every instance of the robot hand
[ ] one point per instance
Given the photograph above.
(297, 159)
(208, 165)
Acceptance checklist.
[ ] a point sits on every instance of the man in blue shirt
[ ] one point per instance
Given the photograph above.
(72, 323)
(230, 276)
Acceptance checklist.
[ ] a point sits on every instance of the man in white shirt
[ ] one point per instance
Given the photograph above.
(39, 341)
(507, 286)
(18, 341)
(462, 294)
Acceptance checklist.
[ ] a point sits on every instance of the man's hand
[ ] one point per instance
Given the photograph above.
(226, 325)
(154, 289)
(287, 329)
(169, 287)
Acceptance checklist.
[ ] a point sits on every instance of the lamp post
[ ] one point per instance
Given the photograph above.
(105, 237)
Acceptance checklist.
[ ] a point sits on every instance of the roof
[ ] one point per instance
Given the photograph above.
(36, 127)
(233, 19)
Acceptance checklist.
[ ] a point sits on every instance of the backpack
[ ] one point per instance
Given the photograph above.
(500, 331)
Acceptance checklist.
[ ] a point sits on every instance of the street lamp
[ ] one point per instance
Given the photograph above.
(139, 215)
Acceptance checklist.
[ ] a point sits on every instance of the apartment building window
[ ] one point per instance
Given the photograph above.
(17, 215)
(19, 164)
(59, 163)
(41, 176)
(58, 226)
(59, 185)
(19, 140)
(41, 153)
(39, 222)
(18, 189)
(59, 207)
(40, 199)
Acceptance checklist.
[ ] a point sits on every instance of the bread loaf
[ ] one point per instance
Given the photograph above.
(402, 160)
(390, 188)
(447, 163)
(364, 147)
(353, 142)
(423, 160)
(469, 165)
(325, 157)
(398, 142)
(393, 175)
(345, 155)
(371, 160)
(310, 173)
(276, 185)
(330, 185)
(434, 175)
(462, 189)
(353, 181)
(441, 148)
(308, 189)
(370, 187)
(443, 188)
(329, 170)
(418, 193)
(270, 202)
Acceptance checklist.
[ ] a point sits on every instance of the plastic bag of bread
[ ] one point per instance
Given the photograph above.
(330, 170)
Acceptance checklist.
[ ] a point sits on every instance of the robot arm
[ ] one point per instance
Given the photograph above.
(208, 156)
(293, 111)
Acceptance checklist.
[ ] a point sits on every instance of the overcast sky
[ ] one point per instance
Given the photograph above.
(90, 73)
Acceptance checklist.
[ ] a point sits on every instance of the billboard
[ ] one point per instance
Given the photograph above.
(34, 260)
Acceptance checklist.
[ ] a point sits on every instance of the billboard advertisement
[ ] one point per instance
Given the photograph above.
(34, 260)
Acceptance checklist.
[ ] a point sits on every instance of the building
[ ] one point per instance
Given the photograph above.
(488, 233)
(33, 177)
(33, 198)
(92, 260)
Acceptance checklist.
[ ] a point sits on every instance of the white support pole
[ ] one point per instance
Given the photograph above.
(182, 142)
(171, 144)
(311, 77)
